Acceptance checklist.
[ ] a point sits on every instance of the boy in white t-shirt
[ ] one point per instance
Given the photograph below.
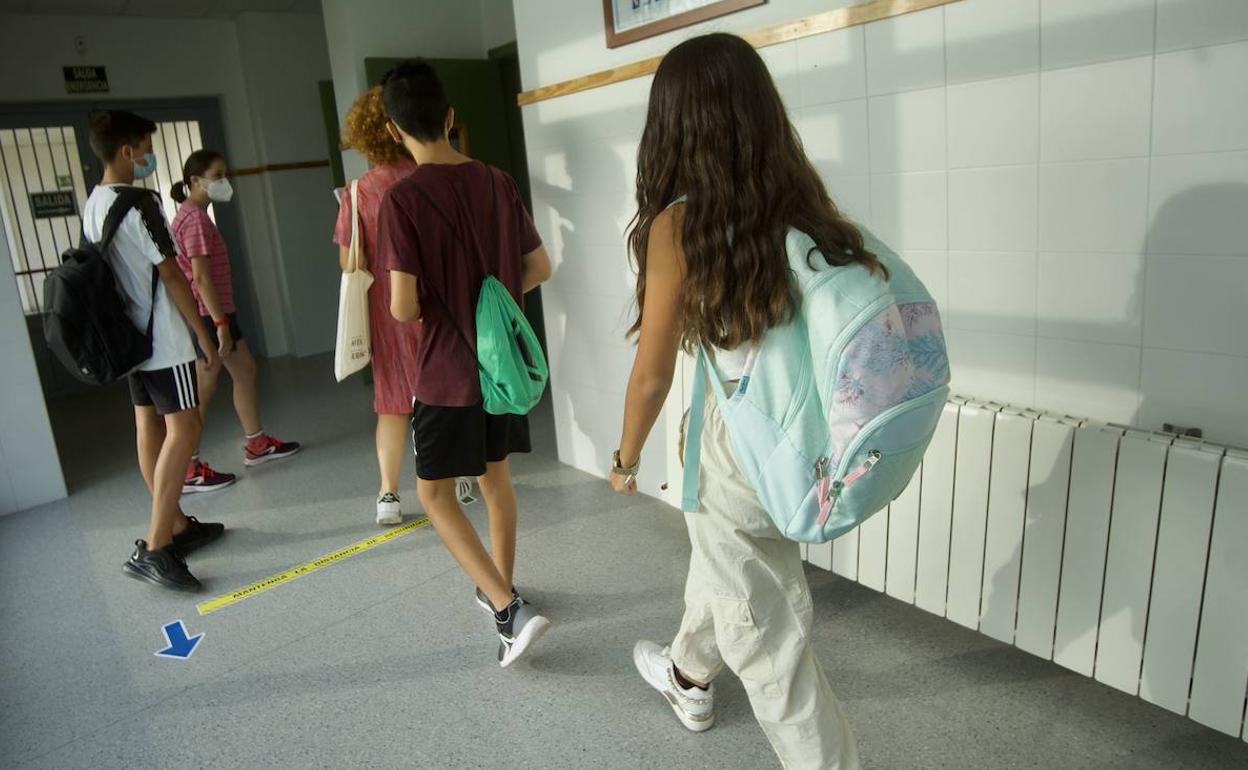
(163, 390)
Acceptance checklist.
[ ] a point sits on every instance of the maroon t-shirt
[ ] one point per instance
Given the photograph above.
(430, 225)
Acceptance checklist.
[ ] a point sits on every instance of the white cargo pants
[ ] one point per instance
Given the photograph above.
(747, 605)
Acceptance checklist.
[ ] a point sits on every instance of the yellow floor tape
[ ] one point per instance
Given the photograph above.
(212, 605)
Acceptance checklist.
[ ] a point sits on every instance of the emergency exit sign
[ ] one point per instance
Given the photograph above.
(85, 80)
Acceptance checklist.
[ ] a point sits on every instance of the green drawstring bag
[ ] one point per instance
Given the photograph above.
(509, 357)
(513, 368)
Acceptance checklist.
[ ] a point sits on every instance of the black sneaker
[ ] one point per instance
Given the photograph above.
(164, 567)
(485, 605)
(196, 534)
(517, 633)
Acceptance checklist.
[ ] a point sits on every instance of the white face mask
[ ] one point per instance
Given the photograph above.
(219, 190)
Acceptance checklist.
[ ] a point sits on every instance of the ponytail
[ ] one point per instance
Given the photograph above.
(197, 164)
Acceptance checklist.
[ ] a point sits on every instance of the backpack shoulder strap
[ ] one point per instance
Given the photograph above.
(127, 198)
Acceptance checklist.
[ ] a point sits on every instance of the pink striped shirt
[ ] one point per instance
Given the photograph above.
(197, 236)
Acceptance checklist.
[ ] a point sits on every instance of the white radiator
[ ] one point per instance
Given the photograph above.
(1117, 553)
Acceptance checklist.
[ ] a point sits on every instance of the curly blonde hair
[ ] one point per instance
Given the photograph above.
(365, 131)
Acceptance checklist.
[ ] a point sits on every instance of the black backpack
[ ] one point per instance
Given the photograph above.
(85, 323)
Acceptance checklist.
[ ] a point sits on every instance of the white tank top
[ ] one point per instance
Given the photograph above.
(730, 365)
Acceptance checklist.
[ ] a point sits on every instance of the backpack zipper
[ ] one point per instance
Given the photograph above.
(830, 494)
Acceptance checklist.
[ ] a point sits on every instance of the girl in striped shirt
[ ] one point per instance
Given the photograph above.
(206, 263)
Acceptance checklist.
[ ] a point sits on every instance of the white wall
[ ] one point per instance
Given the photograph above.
(163, 58)
(30, 471)
(1069, 178)
(498, 23)
(289, 128)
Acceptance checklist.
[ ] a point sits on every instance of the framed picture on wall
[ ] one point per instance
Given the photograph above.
(628, 21)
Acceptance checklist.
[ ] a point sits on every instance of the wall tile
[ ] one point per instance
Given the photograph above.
(909, 210)
(932, 268)
(1091, 297)
(1097, 111)
(1195, 389)
(832, 67)
(991, 291)
(906, 53)
(1093, 206)
(1202, 100)
(1088, 379)
(1079, 32)
(852, 195)
(992, 39)
(908, 131)
(835, 137)
(994, 122)
(1197, 303)
(1197, 204)
(996, 367)
(993, 208)
(1192, 23)
(782, 61)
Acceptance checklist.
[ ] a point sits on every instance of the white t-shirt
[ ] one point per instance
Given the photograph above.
(133, 255)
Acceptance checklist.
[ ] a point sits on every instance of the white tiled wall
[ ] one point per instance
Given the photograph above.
(1070, 178)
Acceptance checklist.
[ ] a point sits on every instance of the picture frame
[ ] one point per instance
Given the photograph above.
(627, 21)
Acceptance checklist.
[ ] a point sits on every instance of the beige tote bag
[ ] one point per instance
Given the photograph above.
(352, 350)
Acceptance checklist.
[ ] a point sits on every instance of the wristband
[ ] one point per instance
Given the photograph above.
(223, 322)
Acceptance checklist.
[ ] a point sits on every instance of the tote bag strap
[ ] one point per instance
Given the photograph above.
(353, 257)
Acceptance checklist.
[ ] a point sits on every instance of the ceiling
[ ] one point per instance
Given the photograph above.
(179, 9)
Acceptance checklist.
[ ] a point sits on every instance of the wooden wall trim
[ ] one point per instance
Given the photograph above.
(253, 170)
(852, 16)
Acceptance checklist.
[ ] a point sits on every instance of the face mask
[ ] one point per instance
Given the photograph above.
(145, 168)
(219, 190)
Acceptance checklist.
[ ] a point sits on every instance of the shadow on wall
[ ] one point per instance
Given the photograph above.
(1178, 223)
(1182, 220)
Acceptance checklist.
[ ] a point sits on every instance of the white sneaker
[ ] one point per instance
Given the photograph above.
(695, 708)
(519, 632)
(463, 490)
(389, 511)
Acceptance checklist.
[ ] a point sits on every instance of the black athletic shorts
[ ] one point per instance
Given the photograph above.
(452, 441)
(236, 332)
(175, 389)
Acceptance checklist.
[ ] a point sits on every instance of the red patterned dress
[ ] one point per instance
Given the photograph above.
(393, 342)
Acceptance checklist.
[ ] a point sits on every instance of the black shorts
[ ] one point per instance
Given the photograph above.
(452, 441)
(175, 389)
(236, 332)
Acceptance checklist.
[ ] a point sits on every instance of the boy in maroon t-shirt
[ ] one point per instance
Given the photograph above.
(436, 228)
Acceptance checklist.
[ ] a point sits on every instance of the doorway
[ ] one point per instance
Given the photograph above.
(47, 171)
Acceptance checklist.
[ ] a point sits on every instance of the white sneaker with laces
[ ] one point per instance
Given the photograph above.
(694, 707)
(389, 510)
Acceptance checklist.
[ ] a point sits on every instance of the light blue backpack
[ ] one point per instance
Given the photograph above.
(837, 407)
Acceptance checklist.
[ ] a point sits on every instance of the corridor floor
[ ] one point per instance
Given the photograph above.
(383, 660)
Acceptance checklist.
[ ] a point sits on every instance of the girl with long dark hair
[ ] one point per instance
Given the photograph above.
(203, 258)
(721, 178)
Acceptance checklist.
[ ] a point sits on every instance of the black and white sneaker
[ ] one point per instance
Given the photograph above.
(485, 605)
(389, 509)
(196, 535)
(163, 566)
(518, 629)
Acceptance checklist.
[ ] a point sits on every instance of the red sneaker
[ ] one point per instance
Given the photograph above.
(267, 448)
(200, 477)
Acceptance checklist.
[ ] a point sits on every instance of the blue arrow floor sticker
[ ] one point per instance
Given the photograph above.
(180, 646)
